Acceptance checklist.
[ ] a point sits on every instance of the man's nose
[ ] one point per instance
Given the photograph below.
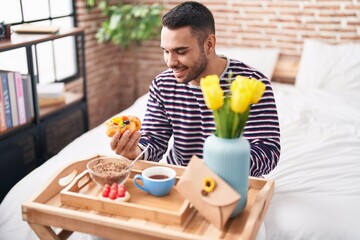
(172, 60)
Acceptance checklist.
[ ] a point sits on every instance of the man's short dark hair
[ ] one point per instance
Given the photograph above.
(191, 14)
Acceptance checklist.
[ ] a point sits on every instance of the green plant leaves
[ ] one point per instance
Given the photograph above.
(128, 24)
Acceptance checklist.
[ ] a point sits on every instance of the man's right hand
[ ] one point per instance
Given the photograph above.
(126, 144)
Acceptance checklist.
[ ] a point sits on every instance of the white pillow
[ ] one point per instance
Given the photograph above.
(327, 66)
(262, 59)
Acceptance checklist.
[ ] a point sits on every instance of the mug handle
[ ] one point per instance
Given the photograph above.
(138, 176)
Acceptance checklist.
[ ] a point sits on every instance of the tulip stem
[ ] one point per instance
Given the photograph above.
(217, 122)
(235, 125)
(243, 120)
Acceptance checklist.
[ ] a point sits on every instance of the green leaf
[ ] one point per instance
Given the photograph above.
(127, 24)
(114, 21)
(102, 5)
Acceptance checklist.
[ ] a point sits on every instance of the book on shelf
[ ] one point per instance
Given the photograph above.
(13, 99)
(16, 99)
(51, 94)
(46, 102)
(2, 110)
(20, 97)
(28, 97)
(31, 28)
(6, 99)
(51, 90)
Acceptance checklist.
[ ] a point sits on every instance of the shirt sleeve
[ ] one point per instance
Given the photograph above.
(263, 132)
(156, 128)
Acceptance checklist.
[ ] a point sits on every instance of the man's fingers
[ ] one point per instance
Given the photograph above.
(131, 145)
(137, 136)
(125, 137)
(125, 144)
(114, 141)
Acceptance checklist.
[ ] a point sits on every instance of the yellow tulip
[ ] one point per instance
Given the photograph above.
(257, 89)
(240, 101)
(244, 92)
(254, 87)
(240, 84)
(213, 94)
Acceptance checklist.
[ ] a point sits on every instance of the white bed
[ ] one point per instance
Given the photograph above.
(317, 180)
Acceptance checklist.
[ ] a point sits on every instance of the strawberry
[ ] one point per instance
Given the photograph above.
(121, 191)
(121, 186)
(114, 187)
(112, 194)
(106, 190)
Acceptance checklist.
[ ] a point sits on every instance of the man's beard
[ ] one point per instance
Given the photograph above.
(198, 68)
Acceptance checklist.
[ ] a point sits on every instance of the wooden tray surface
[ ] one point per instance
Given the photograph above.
(170, 209)
(45, 211)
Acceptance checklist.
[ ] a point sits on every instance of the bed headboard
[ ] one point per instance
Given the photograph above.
(286, 70)
(269, 61)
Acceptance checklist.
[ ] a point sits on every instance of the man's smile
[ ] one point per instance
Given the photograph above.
(179, 70)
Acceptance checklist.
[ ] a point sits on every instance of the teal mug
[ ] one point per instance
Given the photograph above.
(157, 181)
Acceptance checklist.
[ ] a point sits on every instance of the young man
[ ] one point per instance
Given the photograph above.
(176, 105)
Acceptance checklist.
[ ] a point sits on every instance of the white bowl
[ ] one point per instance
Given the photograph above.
(109, 170)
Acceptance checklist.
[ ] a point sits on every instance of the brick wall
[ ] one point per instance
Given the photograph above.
(117, 77)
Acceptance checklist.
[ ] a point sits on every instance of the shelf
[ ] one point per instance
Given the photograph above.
(17, 128)
(24, 147)
(70, 98)
(22, 40)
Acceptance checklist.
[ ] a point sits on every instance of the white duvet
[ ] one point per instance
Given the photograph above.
(317, 180)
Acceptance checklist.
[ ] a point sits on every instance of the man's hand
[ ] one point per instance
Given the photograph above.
(126, 144)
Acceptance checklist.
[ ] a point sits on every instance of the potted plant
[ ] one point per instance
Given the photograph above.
(227, 152)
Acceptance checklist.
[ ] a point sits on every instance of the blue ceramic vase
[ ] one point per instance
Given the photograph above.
(229, 158)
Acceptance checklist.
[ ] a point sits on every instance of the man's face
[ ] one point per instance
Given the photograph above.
(183, 55)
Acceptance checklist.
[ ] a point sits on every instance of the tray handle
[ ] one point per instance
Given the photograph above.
(257, 214)
(62, 179)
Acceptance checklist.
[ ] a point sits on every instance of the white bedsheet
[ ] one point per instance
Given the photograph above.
(317, 181)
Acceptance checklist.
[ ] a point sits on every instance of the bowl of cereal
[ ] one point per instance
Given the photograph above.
(109, 170)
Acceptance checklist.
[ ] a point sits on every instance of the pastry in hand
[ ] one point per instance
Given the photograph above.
(121, 124)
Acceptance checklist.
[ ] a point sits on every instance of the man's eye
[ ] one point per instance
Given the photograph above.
(181, 52)
(165, 51)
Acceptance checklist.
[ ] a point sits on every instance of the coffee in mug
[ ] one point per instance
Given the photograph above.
(158, 176)
(157, 181)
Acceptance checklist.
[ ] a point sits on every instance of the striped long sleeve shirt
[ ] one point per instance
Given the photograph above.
(179, 109)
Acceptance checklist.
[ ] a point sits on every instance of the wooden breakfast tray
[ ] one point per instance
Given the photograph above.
(171, 209)
(50, 218)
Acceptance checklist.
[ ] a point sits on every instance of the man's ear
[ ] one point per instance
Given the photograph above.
(210, 44)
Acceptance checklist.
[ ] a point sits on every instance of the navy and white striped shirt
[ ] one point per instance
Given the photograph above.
(179, 109)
